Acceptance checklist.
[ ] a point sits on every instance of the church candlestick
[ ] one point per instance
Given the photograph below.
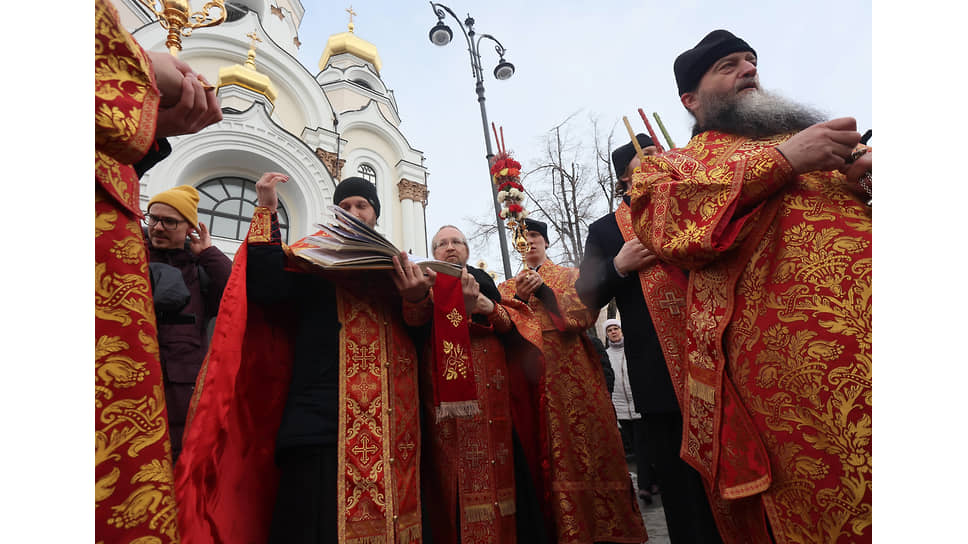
(177, 17)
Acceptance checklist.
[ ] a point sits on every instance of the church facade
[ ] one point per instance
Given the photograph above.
(318, 129)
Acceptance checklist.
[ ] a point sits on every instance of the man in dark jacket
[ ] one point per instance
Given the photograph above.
(178, 243)
(610, 270)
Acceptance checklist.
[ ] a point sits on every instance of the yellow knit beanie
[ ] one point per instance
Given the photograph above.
(183, 198)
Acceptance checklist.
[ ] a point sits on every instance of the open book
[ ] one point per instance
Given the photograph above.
(347, 243)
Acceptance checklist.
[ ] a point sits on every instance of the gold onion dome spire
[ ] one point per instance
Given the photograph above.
(348, 42)
(246, 75)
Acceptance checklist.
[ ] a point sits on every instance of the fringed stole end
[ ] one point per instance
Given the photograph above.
(464, 409)
(702, 391)
(479, 512)
(410, 534)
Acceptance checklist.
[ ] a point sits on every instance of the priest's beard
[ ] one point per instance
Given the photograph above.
(757, 114)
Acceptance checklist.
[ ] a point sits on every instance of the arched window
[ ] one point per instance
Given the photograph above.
(226, 204)
(367, 172)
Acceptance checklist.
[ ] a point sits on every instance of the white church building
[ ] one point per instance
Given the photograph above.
(278, 116)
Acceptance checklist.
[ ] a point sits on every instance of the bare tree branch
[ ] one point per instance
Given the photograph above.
(568, 186)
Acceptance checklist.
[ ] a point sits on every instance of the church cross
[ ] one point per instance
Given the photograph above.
(364, 388)
(364, 449)
(671, 302)
(351, 12)
(250, 59)
(406, 448)
(476, 455)
(502, 453)
(363, 358)
(498, 379)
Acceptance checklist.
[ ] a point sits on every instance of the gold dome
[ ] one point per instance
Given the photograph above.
(348, 42)
(247, 78)
(246, 75)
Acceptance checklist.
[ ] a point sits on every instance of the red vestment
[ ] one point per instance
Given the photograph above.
(774, 375)
(468, 462)
(134, 491)
(226, 478)
(565, 418)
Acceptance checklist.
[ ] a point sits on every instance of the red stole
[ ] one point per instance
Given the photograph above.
(469, 462)
(454, 389)
(664, 288)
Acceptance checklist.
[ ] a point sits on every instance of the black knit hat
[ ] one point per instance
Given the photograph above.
(357, 187)
(539, 227)
(691, 65)
(622, 156)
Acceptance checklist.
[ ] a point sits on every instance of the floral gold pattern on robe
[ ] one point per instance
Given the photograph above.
(134, 489)
(664, 289)
(777, 391)
(580, 459)
(226, 475)
(469, 461)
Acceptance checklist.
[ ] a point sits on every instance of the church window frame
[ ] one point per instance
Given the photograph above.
(226, 205)
(367, 172)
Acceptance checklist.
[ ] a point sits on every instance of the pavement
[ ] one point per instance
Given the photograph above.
(652, 514)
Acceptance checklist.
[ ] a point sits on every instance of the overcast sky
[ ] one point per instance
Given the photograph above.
(605, 59)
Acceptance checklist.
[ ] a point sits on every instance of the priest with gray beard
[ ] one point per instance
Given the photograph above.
(768, 341)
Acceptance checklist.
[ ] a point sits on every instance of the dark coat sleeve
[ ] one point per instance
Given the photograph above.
(488, 289)
(218, 267)
(598, 282)
(267, 280)
(606, 363)
(159, 151)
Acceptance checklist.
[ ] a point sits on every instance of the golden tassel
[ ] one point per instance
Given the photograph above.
(410, 534)
(376, 539)
(507, 507)
(702, 391)
(479, 512)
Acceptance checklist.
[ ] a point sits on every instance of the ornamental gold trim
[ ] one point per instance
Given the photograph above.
(455, 318)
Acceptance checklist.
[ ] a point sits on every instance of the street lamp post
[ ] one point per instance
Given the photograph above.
(441, 34)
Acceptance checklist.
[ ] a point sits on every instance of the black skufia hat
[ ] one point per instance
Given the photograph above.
(692, 64)
(357, 186)
(622, 156)
(539, 227)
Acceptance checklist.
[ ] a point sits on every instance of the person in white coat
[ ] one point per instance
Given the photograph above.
(631, 423)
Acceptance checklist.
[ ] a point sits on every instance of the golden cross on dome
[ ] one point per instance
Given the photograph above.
(250, 58)
(351, 12)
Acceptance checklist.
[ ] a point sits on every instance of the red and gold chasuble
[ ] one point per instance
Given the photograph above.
(664, 289)
(134, 490)
(558, 386)
(468, 461)
(776, 392)
(226, 478)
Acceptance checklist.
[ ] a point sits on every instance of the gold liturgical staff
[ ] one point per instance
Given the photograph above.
(176, 16)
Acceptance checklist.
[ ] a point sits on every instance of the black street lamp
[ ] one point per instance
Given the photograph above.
(441, 34)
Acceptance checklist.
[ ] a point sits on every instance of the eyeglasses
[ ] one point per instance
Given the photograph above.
(445, 243)
(169, 223)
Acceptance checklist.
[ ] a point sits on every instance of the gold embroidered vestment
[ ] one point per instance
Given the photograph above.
(776, 389)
